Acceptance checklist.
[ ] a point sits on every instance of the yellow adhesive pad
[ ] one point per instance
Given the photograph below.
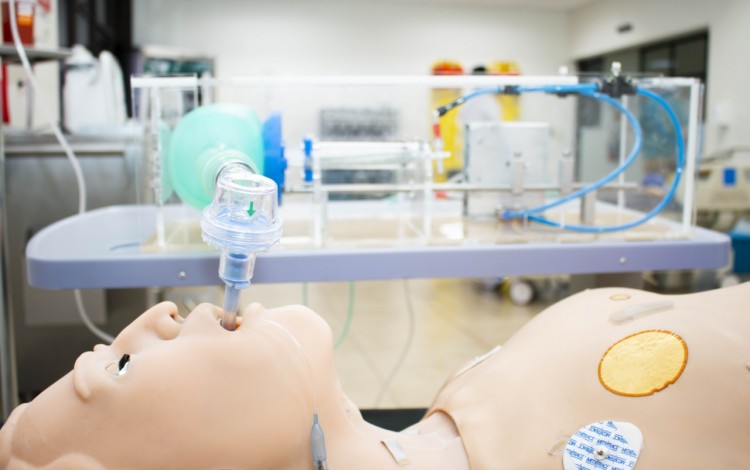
(643, 363)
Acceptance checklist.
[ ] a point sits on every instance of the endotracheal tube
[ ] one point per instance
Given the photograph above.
(241, 220)
(236, 270)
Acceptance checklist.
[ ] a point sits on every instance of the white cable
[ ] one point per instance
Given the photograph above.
(87, 321)
(404, 352)
(48, 114)
(68, 153)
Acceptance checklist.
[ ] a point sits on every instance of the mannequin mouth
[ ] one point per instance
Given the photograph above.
(238, 321)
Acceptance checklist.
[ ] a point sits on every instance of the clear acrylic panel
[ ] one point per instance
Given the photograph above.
(358, 163)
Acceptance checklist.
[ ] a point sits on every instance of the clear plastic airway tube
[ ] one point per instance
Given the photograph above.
(236, 270)
(231, 307)
(241, 221)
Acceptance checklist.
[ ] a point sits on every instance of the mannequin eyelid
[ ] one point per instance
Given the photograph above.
(119, 367)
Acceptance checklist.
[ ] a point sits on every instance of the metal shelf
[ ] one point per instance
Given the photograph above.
(35, 54)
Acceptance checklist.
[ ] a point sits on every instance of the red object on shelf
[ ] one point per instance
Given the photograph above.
(447, 67)
(24, 21)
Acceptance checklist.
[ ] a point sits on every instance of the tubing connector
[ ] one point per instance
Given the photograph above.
(243, 215)
(616, 84)
(241, 220)
(318, 445)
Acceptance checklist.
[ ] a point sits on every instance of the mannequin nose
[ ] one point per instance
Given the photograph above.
(205, 317)
(159, 323)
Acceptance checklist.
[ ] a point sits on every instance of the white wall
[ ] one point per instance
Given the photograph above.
(359, 37)
(264, 37)
(593, 31)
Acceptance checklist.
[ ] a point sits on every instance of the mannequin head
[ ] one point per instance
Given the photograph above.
(185, 379)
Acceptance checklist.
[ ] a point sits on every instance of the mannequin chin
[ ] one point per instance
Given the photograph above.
(185, 393)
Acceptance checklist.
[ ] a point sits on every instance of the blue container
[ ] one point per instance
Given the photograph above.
(741, 247)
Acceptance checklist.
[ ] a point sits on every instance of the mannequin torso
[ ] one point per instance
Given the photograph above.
(174, 393)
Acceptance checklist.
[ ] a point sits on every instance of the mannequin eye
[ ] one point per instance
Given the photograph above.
(121, 366)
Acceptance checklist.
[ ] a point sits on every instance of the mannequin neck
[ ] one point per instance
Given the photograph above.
(433, 443)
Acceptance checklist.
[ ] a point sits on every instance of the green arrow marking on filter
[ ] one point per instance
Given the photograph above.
(251, 211)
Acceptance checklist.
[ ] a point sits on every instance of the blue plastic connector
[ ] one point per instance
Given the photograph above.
(275, 163)
(308, 148)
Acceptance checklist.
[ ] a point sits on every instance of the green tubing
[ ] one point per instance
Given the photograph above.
(349, 313)
(348, 320)
(204, 140)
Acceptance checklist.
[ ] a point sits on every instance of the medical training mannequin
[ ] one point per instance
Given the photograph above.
(196, 396)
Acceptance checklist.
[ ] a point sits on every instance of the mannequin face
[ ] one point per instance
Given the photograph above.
(227, 398)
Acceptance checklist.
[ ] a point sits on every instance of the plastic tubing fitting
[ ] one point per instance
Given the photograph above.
(241, 220)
